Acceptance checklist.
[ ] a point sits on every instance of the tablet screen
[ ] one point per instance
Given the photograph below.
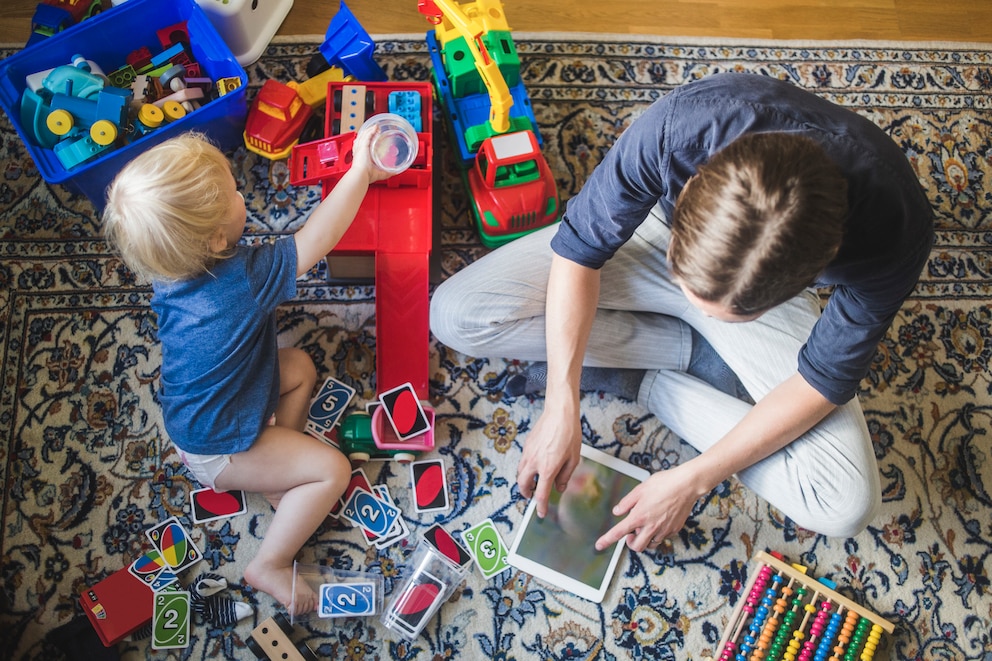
(560, 548)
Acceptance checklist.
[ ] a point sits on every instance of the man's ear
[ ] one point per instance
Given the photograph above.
(218, 242)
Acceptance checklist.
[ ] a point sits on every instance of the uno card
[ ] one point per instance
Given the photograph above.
(174, 543)
(399, 530)
(486, 547)
(152, 570)
(404, 412)
(346, 599)
(327, 408)
(446, 545)
(359, 480)
(430, 485)
(170, 620)
(370, 513)
(208, 505)
(417, 602)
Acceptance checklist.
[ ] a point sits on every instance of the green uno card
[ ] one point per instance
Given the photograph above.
(170, 620)
(487, 547)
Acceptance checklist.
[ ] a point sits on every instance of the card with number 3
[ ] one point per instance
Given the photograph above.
(486, 547)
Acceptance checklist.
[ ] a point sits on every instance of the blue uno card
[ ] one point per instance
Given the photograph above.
(327, 408)
(347, 599)
(369, 512)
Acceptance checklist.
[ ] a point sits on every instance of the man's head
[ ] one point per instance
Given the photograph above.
(758, 223)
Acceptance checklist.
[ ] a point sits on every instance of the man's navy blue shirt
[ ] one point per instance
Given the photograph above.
(889, 228)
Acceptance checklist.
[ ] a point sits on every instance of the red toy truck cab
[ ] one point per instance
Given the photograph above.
(276, 120)
(512, 187)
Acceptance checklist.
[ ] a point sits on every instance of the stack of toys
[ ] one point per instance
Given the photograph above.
(80, 112)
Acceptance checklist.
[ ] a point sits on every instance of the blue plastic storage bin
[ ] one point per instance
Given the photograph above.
(107, 39)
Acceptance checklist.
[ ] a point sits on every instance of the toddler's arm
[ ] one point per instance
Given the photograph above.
(332, 217)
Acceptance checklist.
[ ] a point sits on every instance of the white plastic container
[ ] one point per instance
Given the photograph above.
(394, 148)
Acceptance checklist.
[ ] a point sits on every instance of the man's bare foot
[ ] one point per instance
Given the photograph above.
(278, 582)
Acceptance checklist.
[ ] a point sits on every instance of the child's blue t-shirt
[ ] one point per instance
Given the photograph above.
(220, 359)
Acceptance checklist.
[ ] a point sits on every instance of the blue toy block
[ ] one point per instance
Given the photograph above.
(74, 152)
(349, 46)
(407, 105)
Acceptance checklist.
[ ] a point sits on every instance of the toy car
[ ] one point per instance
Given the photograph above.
(363, 437)
(276, 119)
(53, 16)
(513, 190)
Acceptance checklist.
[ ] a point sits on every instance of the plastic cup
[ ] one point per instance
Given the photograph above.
(394, 147)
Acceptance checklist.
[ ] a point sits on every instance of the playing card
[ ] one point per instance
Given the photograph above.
(404, 411)
(486, 547)
(327, 408)
(346, 599)
(170, 620)
(207, 504)
(416, 603)
(369, 512)
(399, 530)
(359, 480)
(152, 571)
(446, 545)
(430, 485)
(174, 543)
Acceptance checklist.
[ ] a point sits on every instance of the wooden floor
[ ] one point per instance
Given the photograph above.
(914, 20)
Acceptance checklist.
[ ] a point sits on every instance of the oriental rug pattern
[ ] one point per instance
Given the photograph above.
(85, 467)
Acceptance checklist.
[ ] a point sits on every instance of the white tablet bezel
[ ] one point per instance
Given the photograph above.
(542, 571)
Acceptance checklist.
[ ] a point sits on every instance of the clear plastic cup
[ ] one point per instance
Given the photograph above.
(394, 148)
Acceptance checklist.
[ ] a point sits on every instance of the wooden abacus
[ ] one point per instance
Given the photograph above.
(786, 615)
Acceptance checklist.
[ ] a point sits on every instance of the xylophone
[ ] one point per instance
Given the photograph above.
(789, 616)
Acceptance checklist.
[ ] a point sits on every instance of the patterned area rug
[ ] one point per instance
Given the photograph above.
(86, 469)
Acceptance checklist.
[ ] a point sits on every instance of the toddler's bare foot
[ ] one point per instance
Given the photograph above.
(278, 582)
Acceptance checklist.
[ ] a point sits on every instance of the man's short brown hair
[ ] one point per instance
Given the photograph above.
(759, 222)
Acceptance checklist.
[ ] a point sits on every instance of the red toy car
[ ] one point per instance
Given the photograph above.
(513, 190)
(276, 120)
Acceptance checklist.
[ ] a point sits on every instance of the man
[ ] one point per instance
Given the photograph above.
(706, 228)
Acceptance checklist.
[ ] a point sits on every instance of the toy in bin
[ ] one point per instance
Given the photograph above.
(68, 98)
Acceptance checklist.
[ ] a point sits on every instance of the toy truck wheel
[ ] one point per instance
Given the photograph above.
(255, 648)
(404, 457)
(103, 132)
(173, 110)
(283, 623)
(358, 457)
(306, 652)
(59, 122)
(151, 116)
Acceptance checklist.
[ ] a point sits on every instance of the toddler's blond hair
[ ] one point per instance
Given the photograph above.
(165, 205)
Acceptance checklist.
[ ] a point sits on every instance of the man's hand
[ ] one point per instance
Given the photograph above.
(655, 509)
(551, 453)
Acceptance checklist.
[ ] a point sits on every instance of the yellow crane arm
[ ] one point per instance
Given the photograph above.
(473, 31)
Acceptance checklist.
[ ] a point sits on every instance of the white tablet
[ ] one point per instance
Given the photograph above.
(560, 548)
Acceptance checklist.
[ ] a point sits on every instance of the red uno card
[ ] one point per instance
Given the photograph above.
(430, 485)
(404, 412)
(208, 504)
(446, 545)
(418, 601)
